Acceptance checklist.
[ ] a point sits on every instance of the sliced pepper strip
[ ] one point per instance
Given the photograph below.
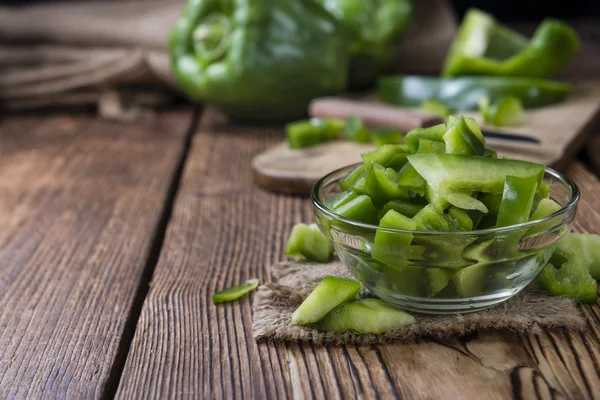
(463, 93)
(482, 46)
(234, 292)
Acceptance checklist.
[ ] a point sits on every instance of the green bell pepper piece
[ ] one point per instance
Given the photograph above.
(356, 130)
(380, 187)
(470, 281)
(354, 175)
(482, 46)
(463, 93)
(436, 107)
(545, 208)
(258, 60)
(341, 199)
(588, 246)
(505, 111)
(388, 155)
(404, 207)
(568, 273)
(460, 218)
(409, 179)
(365, 316)
(234, 292)
(447, 250)
(360, 209)
(374, 26)
(391, 248)
(449, 173)
(431, 146)
(570, 280)
(517, 200)
(414, 136)
(460, 139)
(382, 136)
(309, 243)
(306, 133)
(327, 295)
(492, 201)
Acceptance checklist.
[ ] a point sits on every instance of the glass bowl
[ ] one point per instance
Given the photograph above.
(448, 272)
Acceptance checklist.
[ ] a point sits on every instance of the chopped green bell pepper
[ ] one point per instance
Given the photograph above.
(383, 136)
(482, 46)
(405, 207)
(392, 247)
(306, 133)
(460, 139)
(572, 280)
(259, 60)
(365, 316)
(234, 292)
(448, 173)
(409, 179)
(355, 130)
(436, 107)
(505, 111)
(414, 136)
(463, 93)
(341, 199)
(327, 295)
(308, 242)
(431, 146)
(517, 200)
(388, 155)
(354, 175)
(588, 247)
(360, 209)
(380, 187)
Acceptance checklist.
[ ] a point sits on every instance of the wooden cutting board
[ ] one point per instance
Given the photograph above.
(560, 130)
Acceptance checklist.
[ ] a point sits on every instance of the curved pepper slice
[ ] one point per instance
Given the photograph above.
(234, 292)
(329, 293)
(308, 242)
(482, 46)
(258, 60)
(365, 316)
(463, 93)
(517, 200)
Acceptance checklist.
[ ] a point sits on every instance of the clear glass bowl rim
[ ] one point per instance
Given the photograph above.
(571, 204)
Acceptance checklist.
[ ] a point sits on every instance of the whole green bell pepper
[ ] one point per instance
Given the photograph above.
(463, 93)
(374, 26)
(258, 60)
(482, 46)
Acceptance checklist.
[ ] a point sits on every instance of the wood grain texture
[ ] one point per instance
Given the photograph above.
(224, 230)
(80, 199)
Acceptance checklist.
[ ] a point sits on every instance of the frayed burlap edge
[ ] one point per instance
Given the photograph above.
(528, 312)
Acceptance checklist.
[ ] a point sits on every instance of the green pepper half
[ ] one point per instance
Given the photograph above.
(258, 60)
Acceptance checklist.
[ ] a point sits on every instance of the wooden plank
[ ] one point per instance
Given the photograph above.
(80, 200)
(224, 230)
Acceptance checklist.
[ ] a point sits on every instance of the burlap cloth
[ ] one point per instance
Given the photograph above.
(529, 311)
(75, 53)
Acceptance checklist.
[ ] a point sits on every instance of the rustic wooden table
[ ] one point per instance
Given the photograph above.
(114, 238)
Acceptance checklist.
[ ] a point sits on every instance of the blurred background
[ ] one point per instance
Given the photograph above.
(113, 55)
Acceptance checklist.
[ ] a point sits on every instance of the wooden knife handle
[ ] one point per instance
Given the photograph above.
(372, 114)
